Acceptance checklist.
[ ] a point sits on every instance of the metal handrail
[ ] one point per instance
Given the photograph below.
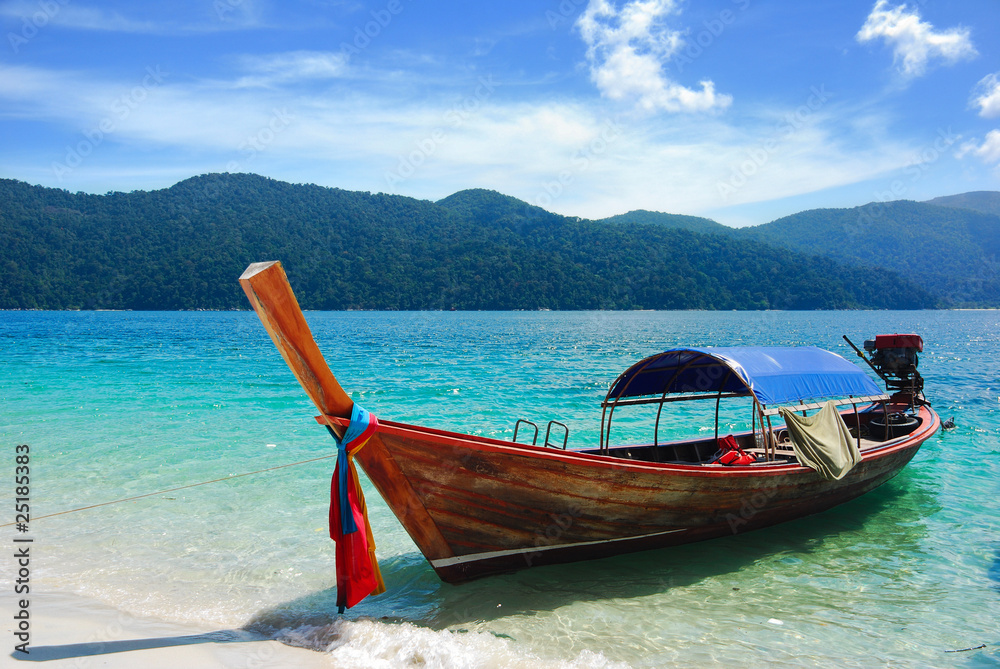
(565, 434)
(534, 440)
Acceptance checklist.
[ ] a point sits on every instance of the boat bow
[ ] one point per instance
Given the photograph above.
(272, 298)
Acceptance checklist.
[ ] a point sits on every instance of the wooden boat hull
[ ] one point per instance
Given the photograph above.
(477, 506)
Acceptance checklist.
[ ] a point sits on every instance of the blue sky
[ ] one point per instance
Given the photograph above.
(739, 110)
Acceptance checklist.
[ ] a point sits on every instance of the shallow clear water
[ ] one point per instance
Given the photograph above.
(115, 405)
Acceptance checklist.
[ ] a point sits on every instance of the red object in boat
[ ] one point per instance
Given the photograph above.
(732, 454)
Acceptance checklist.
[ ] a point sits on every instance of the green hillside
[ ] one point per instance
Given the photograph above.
(679, 221)
(183, 248)
(952, 253)
(984, 201)
(490, 208)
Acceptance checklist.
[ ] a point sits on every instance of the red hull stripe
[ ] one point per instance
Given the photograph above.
(476, 557)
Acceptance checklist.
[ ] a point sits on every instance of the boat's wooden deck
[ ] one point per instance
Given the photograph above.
(785, 451)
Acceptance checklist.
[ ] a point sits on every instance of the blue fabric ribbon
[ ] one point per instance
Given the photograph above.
(347, 524)
(360, 419)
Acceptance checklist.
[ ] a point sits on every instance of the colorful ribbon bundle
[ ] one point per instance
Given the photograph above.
(358, 574)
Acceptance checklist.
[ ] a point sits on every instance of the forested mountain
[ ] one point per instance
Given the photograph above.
(183, 248)
(985, 201)
(492, 209)
(952, 253)
(680, 221)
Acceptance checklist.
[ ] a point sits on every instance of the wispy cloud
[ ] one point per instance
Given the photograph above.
(222, 15)
(626, 50)
(599, 164)
(75, 16)
(914, 42)
(986, 96)
(20, 83)
(292, 66)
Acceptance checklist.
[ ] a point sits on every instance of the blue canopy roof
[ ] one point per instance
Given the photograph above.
(774, 375)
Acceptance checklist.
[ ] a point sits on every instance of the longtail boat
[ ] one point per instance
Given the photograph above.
(477, 506)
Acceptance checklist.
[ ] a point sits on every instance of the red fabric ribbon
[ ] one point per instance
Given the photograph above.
(358, 574)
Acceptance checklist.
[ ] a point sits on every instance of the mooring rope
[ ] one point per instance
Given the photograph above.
(183, 487)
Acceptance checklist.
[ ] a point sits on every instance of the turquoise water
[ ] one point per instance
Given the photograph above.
(120, 404)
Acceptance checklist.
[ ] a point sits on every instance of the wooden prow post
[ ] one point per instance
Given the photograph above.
(272, 298)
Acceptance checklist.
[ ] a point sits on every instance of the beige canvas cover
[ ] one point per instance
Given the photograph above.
(822, 441)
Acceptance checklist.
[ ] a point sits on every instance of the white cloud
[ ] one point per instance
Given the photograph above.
(914, 42)
(292, 66)
(986, 96)
(988, 151)
(626, 49)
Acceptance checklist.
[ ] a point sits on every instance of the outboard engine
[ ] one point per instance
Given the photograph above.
(894, 358)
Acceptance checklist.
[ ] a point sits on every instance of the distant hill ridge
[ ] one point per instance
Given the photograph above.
(183, 247)
(488, 206)
(954, 253)
(679, 221)
(984, 201)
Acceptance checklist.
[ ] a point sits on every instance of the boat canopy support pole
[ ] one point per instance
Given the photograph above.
(770, 439)
(656, 426)
(857, 424)
(718, 399)
(604, 415)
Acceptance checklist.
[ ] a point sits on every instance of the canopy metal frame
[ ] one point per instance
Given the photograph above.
(761, 413)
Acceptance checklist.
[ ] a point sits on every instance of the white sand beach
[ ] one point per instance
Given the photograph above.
(70, 631)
